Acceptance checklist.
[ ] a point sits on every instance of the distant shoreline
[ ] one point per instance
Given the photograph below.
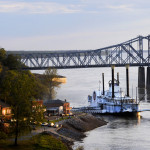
(58, 78)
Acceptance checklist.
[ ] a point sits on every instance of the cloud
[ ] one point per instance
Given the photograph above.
(70, 41)
(59, 7)
(38, 7)
(121, 7)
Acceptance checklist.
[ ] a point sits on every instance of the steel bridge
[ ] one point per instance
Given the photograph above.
(135, 52)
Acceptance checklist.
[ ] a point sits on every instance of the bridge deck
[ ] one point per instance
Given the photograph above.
(132, 52)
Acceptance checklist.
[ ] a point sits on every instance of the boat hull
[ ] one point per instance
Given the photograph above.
(98, 111)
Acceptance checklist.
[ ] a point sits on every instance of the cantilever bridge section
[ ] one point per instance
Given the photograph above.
(135, 52)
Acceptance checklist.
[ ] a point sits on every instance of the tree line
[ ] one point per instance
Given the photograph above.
(19, 88)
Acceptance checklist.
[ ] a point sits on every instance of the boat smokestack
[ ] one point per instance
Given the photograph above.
(118, 77)
(103, 84)
(127, 79)
(113, 81)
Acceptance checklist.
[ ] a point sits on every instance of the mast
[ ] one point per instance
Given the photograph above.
(112, 67)
(118, 77)
(103, 84)
(127, 79)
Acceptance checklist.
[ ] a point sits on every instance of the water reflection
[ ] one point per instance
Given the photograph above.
(124, 122)
(139, 117)
(120, 133)
(141, 94)
(144, 94)
(148, 95)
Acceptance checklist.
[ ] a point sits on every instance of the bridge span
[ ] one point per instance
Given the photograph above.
(135, 52)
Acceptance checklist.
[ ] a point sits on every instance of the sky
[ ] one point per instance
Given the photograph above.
(71, 24)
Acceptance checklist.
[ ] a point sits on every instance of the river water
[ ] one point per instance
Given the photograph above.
(119, 133)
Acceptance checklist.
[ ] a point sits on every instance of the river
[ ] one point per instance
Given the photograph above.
(119, 133)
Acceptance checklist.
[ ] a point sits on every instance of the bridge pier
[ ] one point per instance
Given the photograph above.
(141, 77)
(148, 84)
(148, 78)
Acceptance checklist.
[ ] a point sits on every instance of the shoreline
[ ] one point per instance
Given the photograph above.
(74, 129)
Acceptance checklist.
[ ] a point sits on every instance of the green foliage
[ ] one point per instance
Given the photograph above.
(47, 142)
(40, 89)
(12, 62)
(2, 55)
(3, 136)
(51, 85)
(37, 113)
(17, 88)
(9, 61)
(45, 88)
(2, 58)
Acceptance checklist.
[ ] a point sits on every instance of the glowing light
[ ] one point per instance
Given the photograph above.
(139, 117)
(4, 112)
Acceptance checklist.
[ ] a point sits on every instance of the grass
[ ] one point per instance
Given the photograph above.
(48, 142)
(22, 145)
(60, 119)
(38, 142)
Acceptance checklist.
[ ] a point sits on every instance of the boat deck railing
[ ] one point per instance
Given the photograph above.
(121, 100)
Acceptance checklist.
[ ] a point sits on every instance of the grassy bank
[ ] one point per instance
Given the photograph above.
(73, 128)
(38, 142)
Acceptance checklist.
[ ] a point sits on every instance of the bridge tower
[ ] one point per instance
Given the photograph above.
(141, 69)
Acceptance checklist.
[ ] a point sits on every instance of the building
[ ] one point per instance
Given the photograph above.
(37, 105)
(5, 111)
(57, 107)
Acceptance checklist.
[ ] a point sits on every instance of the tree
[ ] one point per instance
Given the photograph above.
(2, 55)
(40, 89)
(10, 61)
(37, 112)
(13, 62)
(2, 58)
(51, 85)
(18, 90)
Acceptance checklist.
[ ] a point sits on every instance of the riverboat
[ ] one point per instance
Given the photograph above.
(112, 101)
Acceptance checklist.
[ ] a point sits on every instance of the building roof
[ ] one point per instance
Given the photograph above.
(37, 102)
(54, 103)
(53, 108)
(3, 104)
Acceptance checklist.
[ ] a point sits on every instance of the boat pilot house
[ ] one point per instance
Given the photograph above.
(57, 107)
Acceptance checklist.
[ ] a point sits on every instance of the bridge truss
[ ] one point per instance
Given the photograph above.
(135, 52)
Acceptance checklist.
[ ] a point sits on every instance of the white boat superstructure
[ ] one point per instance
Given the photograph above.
(103, 102)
